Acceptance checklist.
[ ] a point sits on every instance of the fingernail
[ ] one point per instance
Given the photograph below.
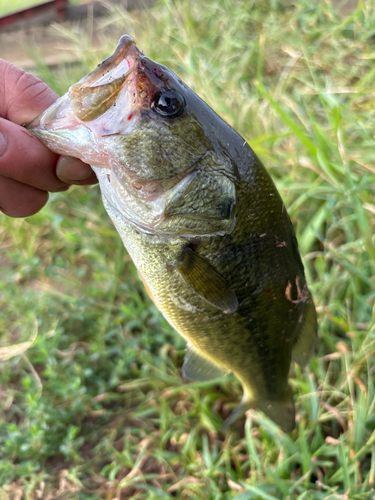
(70, 169)
(3, 143)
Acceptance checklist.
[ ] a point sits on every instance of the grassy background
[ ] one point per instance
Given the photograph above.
(96, 409)
(9, 6)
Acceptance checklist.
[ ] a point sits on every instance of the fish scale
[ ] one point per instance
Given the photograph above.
(200, 217)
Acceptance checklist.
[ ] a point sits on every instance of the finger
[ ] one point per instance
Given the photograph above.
(24, 158)
(74, 171)
(19, 200)
(23, 95)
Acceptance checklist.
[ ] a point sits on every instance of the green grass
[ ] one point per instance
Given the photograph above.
(10, 6)
(96, 408)
(7, 7)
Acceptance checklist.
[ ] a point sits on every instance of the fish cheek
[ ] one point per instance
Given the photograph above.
(153, 151)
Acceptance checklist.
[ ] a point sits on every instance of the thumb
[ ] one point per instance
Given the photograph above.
(23, 96)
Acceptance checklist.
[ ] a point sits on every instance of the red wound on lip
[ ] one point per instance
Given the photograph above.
(158, 73)
(130, 117)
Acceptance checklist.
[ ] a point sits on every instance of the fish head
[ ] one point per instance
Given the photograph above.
(149, 139)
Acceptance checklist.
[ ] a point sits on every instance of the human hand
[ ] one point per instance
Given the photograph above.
(28, 170)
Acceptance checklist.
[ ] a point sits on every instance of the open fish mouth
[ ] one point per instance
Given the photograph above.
(97, 92)
(75, 123)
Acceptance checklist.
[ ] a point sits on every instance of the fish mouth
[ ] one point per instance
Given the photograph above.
(97, 106)
(95, 93)
(92, 96)
(108, 102)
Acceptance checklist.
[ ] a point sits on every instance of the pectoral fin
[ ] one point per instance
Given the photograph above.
(303, 348)
(196, 367)
(206, 281)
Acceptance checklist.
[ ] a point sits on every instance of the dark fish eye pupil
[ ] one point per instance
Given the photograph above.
(170, 103)
(165, 102)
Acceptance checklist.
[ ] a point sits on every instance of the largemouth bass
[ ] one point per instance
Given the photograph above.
(201, 219)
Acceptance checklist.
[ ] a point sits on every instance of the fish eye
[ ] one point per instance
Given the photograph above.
(169, 104)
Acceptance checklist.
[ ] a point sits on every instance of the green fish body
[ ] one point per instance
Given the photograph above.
(201, 219)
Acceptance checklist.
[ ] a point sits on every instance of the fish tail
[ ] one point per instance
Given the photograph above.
(280, 411)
